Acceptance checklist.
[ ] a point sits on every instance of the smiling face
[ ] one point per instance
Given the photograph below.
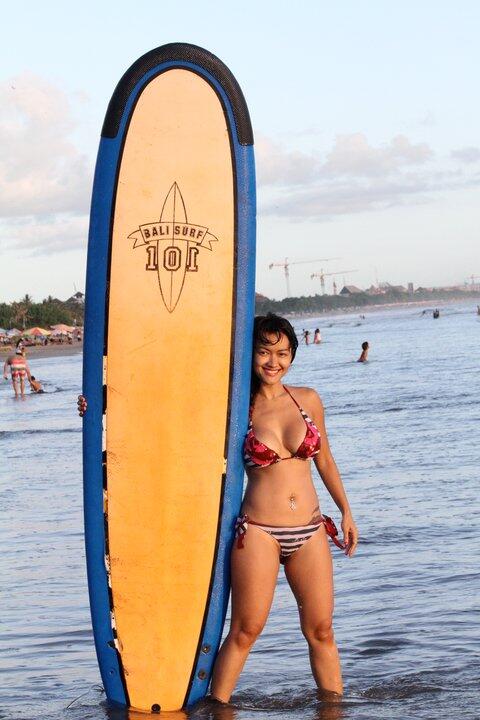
(272, 360)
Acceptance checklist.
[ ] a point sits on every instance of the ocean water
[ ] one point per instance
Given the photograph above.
(404, 432)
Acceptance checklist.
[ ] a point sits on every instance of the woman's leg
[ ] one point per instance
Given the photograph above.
(310, 575)
(15, 386)
(254, 575)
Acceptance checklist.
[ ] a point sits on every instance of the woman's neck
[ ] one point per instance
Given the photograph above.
(271, 392)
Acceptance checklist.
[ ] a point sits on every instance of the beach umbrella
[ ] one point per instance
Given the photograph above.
(61, 329)
(13, 332)
(37, 332)
(3, 331)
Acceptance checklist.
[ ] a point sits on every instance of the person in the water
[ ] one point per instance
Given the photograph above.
(18, 368)
(35, 385)
(317, 338)
(280, 520)
(364, 356)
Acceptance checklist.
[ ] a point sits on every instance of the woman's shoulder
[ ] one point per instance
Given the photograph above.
(304, 393)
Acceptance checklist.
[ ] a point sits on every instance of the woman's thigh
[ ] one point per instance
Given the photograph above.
(309, 573)
(254, 576)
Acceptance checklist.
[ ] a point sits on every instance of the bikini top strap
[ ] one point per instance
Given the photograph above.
(288, 391)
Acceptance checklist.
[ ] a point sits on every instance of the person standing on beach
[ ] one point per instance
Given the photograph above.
(19, 369)
(317, 338)
(364, 356)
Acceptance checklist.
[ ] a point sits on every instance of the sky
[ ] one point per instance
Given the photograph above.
(365, 114)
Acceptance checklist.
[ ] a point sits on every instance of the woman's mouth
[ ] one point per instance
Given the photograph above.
(270, 373)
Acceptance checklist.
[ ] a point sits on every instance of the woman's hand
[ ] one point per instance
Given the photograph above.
(81, 405)
(350, 534)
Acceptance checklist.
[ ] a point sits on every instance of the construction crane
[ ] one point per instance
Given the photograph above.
(287, 264)
(322, 275)
(472, 279)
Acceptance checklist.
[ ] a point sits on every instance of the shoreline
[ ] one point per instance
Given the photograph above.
(363, 309)
(60, 350)
(34, 351)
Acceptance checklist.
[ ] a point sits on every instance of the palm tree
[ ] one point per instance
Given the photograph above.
(19, 313)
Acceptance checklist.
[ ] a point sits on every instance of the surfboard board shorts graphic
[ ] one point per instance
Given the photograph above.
(167, 355)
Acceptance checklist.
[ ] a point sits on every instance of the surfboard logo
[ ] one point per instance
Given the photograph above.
(172, 246)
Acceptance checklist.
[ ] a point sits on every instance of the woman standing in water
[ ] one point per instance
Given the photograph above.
(18, 368)
(280, 518)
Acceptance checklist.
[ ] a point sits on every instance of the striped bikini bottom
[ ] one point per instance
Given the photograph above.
(18, 373)
(289, 539)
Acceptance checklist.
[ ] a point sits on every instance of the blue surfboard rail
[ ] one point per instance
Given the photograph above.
(121, 107)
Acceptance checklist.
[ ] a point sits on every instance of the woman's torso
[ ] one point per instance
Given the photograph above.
(17, 362)
(282, 493)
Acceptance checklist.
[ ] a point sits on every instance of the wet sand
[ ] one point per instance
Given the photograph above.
(52, 350)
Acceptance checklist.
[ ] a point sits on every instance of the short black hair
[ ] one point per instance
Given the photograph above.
(364, 345)
(272, 324)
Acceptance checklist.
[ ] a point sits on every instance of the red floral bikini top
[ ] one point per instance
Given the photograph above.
(256, 454)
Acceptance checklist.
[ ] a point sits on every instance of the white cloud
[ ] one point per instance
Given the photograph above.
(45, 181)
(466, 154)
(44, 236)
(353, 155)
(355, 176)
(278, 166)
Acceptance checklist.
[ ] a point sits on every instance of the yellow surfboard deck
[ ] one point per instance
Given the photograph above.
(167, 376)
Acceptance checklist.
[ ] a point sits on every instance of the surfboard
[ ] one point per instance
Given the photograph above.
(167, 351)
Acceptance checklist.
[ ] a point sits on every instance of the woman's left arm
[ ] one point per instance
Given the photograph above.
(330, 475)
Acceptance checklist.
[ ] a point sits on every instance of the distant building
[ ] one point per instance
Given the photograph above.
(410, 288)
(78, 298)
(398, 288)
(350, 290)
(374, 290)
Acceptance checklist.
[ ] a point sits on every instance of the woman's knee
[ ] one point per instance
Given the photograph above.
(320, 632)
(245, 634)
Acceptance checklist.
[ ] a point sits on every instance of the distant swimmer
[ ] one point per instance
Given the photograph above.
(478, 309)
(436, 314)
(35, 385)
(306, 337)
(19, 370)
(317, 338)
(364, 356)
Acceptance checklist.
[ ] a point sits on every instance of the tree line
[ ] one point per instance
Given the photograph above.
(26, 313)
(326, 303)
